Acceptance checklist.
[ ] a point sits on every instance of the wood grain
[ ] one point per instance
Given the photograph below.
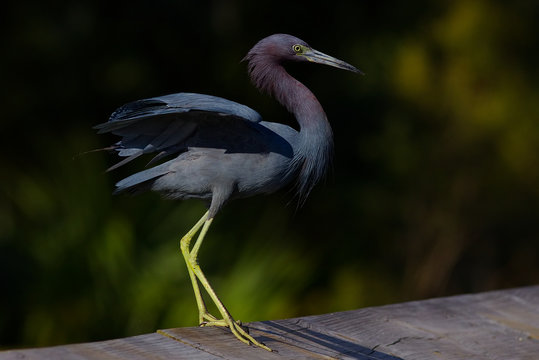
(493, 325)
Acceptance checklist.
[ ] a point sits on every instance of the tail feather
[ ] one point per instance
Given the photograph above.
(135, 181)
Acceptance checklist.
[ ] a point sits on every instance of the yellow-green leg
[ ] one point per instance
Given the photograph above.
(203, 314)
(195, 272)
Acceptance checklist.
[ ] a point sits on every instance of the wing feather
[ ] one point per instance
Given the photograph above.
(164, 124)
(135, 111)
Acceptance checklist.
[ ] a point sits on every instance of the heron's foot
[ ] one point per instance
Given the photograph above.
(206, 317)
(210, 320)
(239, 331)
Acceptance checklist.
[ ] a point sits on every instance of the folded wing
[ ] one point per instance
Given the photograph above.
(164, 124)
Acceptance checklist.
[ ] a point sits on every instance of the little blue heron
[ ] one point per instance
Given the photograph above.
(223, 150)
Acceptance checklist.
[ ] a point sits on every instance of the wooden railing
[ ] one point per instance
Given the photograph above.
(493, 325)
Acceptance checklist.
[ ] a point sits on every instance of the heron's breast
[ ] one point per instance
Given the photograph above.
(262, 173)
(199, 170)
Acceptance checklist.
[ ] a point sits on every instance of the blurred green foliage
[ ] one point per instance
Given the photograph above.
(435, 188)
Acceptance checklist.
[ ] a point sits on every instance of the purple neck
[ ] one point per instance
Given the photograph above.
(314, 147)
(271, 77)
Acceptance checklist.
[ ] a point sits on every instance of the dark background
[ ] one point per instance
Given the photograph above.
(434, 190)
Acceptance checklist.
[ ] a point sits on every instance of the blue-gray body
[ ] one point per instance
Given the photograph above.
(221, 154)
(215, 149)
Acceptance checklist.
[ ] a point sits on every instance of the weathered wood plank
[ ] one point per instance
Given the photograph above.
(495, 325)
(492, 325)
(149, 346)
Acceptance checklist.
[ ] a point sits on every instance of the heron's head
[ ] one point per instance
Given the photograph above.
(279, 48)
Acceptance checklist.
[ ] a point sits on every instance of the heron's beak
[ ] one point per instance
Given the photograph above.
(321, 58)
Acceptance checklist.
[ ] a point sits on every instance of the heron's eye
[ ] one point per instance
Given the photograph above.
(296, 48)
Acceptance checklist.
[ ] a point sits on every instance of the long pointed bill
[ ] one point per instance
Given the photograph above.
(321, 58)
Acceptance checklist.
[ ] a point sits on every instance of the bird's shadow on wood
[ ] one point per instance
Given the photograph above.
(325, 341)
